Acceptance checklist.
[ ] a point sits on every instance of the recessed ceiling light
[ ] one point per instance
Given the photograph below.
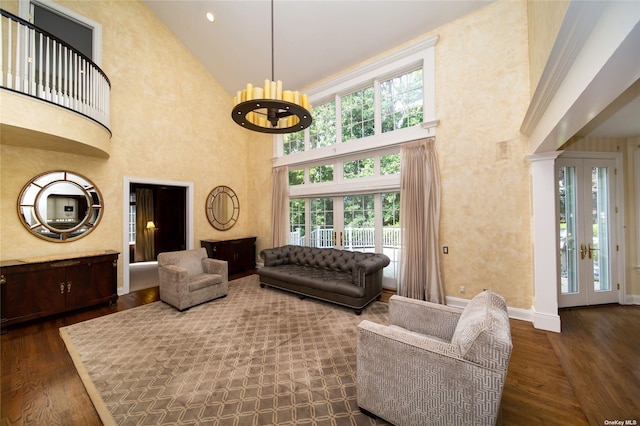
(210, 17)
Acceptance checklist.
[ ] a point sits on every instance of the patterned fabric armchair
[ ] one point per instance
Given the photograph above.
(189, 277)
(435, 364)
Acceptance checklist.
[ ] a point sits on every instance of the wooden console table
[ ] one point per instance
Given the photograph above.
(43, 286)
(240, 253)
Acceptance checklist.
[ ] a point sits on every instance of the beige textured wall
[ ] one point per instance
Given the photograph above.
(482, 94)
(628, 147)
(170, 121)
(544, 21)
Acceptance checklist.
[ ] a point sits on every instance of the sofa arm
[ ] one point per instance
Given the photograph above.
(368, 266)
(173, 278)
(216, 266)
(423, 317)
(275, 256)
(372, 263)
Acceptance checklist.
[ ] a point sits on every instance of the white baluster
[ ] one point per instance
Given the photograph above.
(47, 90)
(17, 74)
(76, 73)
(9, 55)
(1, 56)
(54, 94)
(32, 63)
(67, 81)
(40, 66)
(59, 60)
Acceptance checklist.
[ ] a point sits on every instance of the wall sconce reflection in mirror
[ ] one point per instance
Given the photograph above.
(60, 206)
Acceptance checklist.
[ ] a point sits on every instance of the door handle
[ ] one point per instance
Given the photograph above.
(61, 288)
(335, 239)
(69, 287)
(583, 251)
(341, 239)
(591, 250)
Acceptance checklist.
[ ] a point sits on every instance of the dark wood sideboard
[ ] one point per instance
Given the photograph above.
(240, 253)
(43, 286)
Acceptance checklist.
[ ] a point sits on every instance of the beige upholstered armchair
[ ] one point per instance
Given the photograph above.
(189, 277)
(434, 364)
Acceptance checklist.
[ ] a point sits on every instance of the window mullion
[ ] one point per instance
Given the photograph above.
(377, 108)
(338, 119)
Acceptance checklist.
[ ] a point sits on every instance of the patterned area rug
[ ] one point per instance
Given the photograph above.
(257, 357)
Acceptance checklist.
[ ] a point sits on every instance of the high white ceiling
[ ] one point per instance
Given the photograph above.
(315, 39)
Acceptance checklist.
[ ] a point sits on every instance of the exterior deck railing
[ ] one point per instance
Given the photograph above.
(36, 63)
(354, 238)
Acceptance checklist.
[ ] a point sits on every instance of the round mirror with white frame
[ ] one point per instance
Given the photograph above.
(60, 206)
(222, 208)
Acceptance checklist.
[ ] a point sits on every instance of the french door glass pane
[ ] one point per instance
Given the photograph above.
(321, 217)
(297, 221)
(391, 232)
(359, 223)
(599, 249)
(568, 230)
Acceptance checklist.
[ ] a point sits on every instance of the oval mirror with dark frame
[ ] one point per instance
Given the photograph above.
(222, 208)
(60, 206)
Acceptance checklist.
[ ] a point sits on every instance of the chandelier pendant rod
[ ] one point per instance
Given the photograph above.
(285, 111)
(273, 78)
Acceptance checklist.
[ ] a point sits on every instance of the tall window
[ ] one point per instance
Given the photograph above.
(293, 142)
(358, 168)
(357, 114)
(344, 171)
(395, 103)
(391, 231)
(297, 221)
(401, 101)
(323, 129)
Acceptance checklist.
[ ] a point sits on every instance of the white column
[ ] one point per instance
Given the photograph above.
(545, 242)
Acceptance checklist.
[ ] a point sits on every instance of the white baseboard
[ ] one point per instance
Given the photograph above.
(515, 313)
(632, 299)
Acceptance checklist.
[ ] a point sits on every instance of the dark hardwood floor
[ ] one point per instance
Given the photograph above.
(587, 374)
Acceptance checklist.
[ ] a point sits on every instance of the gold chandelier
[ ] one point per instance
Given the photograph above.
(270, 109)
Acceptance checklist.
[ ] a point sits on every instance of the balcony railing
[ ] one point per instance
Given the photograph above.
(36, 63)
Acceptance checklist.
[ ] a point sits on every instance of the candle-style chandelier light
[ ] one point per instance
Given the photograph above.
(270, 109)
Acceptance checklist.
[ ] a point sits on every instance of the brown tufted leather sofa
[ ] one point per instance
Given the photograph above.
(348, 278)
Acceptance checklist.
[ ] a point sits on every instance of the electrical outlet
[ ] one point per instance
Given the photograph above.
(461, 289)
(445, 250)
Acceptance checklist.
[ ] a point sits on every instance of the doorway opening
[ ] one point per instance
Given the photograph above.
(170, 212)
(589, 230)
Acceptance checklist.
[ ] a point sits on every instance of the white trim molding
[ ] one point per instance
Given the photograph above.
(189, 214)
(24, 11)
(514, 313)
(545, 242)
(593, 62)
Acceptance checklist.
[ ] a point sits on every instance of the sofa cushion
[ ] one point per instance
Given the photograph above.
(198, 282)
(483, 331)
(317, 278)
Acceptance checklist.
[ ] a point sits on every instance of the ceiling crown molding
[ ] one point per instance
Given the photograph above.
(574, 31)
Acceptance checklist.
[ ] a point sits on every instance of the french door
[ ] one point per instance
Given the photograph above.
(360, 222)
(587, 225)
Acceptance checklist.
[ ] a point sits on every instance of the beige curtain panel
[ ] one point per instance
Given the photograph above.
(280, 206)
(420, 276)
(145, 238)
